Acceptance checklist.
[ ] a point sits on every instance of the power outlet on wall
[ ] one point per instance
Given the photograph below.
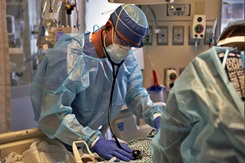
(170, 75)
(178, 35)
(192, 41)
(162, 35)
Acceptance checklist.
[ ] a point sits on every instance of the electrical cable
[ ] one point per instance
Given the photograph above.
(154, 15)
(151, 34)
(212, 35)
(196, 43)
(152, 64)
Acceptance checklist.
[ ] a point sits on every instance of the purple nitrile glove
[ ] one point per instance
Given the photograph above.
(108, 149)
(157, 122)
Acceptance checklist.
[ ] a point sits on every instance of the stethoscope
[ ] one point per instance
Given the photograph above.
(115, 70)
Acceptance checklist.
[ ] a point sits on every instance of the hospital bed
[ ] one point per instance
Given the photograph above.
(124, 127)
(32, 145)
(127, 126)
(19, 141)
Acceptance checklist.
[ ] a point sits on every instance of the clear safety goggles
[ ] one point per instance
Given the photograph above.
(125, 43)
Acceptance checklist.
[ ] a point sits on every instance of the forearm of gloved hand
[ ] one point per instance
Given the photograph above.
(108, 149)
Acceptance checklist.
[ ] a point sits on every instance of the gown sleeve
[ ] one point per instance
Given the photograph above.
(53, 91)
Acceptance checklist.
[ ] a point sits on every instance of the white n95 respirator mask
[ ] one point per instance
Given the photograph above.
(116, 52)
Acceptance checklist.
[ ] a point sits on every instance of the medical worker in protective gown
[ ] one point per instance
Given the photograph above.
(203, 120)
(71, 90)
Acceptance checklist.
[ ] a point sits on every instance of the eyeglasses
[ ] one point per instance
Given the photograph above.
(127, 43)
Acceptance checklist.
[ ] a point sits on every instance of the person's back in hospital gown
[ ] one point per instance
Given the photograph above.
(203, 120)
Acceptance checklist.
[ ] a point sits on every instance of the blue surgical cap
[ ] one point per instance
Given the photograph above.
(131, 21)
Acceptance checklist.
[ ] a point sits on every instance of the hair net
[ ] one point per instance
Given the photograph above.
(233, 35)
(131, 21)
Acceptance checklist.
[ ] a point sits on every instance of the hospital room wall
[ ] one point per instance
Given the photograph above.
(160, 57)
